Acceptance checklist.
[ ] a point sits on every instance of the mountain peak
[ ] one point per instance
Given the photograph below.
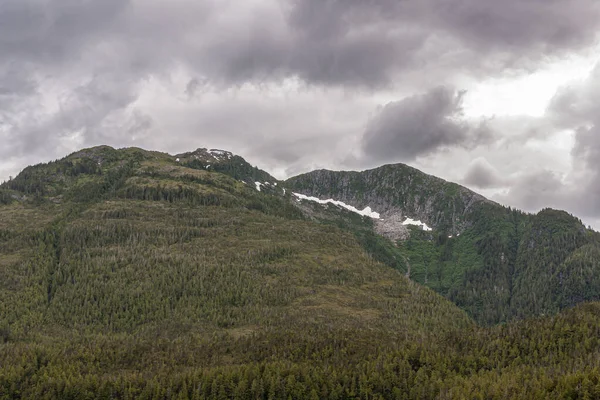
(395, 191)
(223, 161)
(207, 155)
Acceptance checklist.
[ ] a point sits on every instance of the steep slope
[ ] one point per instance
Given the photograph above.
(553, 238)
(125, 274)
(495, 262)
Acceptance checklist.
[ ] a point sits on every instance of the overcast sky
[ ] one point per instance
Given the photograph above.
(501, 96)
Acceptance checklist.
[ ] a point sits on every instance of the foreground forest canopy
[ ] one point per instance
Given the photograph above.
(136, 274)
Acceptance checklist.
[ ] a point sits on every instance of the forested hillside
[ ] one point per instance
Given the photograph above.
(493, 261)
(135, 274)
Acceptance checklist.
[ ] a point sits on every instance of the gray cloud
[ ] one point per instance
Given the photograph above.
(420, 125)
(535, 190)
(576, 104)
(574, 110)
(577, 108)
(341, 42)
(96, 112)
(534, 27)
(377, 39)
(481, 174)
(55, 32)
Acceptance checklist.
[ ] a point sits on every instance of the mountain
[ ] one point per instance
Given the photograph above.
(136, 274)
(495, 262)
(396, 189)
(223, 161)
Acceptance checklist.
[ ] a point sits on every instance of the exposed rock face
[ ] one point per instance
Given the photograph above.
(390, 226)
(396, 191)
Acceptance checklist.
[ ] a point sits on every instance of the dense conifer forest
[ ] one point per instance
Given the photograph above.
(133, 274)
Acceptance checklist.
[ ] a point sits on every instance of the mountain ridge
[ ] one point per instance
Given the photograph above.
(477, 254)
(393, 193)
(131, 274)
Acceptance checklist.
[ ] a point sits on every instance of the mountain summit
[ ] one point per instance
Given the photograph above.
(396, 192)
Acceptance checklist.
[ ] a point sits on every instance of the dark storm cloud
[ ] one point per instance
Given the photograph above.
(325, 42)
(535, 27)
(355, 43)
(379, 38)
(370, 43)
(420, 125)
(54, 31)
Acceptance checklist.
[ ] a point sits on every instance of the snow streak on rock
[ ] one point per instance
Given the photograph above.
(423, 225)
(366, 212)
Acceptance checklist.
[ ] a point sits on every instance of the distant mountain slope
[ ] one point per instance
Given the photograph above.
(393, 189)
(132, 274)
(225, 162)
(495, 262)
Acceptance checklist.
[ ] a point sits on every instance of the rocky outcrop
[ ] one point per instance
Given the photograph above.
(397, 192)
(390, 226)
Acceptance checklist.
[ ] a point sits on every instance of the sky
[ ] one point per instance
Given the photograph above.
(502, 97)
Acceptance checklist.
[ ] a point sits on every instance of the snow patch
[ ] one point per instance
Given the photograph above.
(258, 184)
(367, 212)
(177, 160)
(423, 225)
(216, 153)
